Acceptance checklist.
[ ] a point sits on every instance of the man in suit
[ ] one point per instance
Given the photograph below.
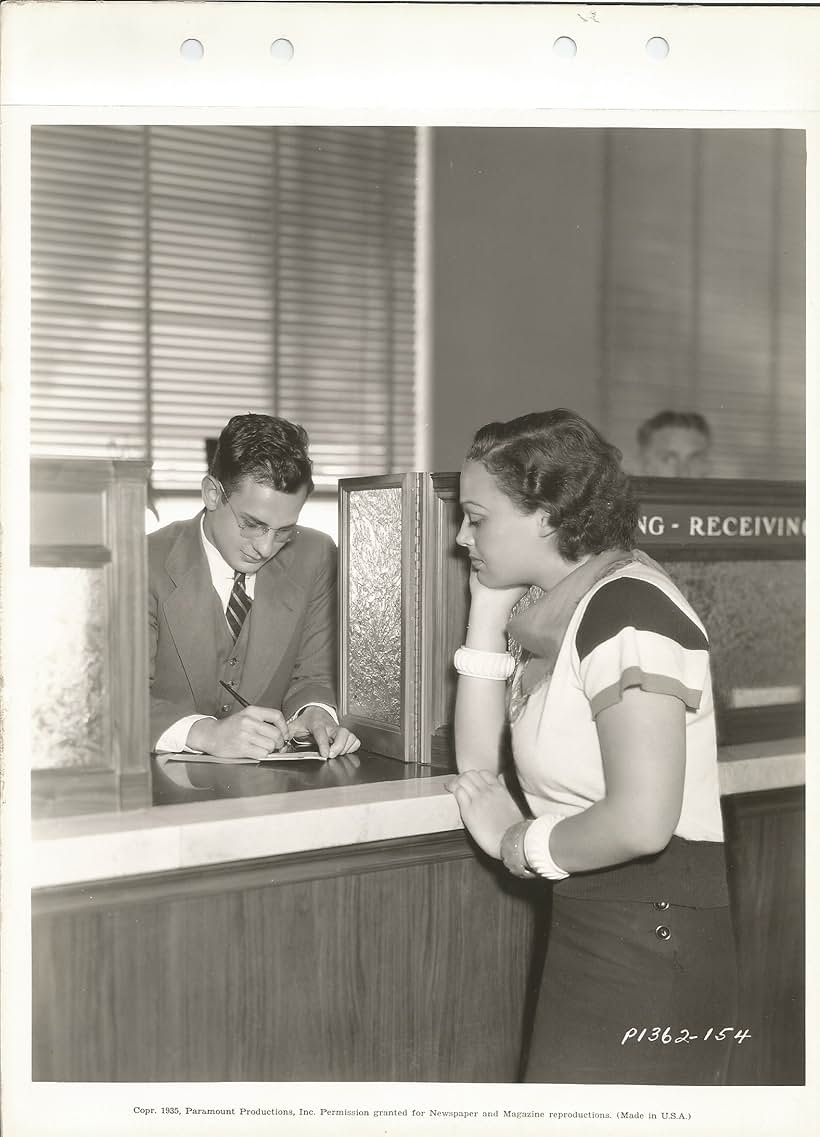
(243, 596)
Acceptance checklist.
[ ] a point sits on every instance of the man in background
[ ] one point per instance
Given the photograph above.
(241, 599)
(675, 444)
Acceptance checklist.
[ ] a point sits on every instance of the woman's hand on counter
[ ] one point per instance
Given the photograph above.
(487, 807)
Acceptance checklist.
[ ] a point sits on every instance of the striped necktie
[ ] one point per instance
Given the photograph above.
(239, 604)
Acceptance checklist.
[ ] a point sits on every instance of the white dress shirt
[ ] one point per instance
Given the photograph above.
(174, 739)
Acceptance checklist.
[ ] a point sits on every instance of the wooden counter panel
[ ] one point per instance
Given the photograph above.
(398, 960)
(765, 836)
(391, 972)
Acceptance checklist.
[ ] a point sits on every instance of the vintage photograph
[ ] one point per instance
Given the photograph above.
(418, 544)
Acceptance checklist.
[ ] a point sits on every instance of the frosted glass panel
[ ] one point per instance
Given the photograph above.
(755, 614)
(374, 614)
(68, 653)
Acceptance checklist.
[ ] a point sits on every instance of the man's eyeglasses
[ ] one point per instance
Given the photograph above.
(255, 530)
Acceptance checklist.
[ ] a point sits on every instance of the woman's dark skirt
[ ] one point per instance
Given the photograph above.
(637, 990)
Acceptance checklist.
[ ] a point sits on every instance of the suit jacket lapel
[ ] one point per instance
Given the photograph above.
(277, 601)
(189, 612)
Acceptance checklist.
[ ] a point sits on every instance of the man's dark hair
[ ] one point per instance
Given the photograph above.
(686, 420)
(264, 449)
(557, 461)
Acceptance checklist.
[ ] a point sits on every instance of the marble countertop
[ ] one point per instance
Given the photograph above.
(72, 850)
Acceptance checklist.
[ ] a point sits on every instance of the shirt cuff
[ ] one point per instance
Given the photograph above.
(174, 739)
(330, 710)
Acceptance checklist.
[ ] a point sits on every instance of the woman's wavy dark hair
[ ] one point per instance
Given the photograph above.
(268, 450)
(557, 461)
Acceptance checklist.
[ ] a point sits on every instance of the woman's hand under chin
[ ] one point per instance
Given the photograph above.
(478, 589)
(492, 603)
(498, 597)
(487, 807)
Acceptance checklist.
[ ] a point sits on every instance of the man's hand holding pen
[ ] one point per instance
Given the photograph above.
(253, 732)
(259, 732)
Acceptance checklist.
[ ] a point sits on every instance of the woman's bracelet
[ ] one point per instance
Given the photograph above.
(483, 664)
(512, 850)
(537, 846)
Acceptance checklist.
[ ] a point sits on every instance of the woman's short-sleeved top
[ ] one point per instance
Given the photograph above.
(632, 629)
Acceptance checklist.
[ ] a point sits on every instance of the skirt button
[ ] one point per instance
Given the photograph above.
(661, 905)
(662, 932)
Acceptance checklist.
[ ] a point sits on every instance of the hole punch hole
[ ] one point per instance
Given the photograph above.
(657, 48)
(281, 50)
(191, 49)
(565, 48)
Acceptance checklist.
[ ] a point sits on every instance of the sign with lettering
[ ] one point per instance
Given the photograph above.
(730, 526)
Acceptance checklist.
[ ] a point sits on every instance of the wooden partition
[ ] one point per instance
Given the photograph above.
(90, 656)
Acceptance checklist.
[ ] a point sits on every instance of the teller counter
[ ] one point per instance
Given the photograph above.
(332, 921)
(348, 929)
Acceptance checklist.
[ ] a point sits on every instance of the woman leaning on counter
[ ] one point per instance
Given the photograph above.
(613, 737)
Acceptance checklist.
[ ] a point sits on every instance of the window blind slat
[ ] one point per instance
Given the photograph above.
(345, 286)
(212, 337)
(223, 269)
(88, 361)
(705, 293)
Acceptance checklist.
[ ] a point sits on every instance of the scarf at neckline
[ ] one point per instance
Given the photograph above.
(541, 626)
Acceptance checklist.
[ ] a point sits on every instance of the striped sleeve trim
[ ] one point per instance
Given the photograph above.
(631, 603)
(655, 684)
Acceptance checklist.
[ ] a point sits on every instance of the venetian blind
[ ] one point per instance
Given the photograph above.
(259, 269)
(705, 291)
(344, 270)
(88, 336)
(210, 259)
